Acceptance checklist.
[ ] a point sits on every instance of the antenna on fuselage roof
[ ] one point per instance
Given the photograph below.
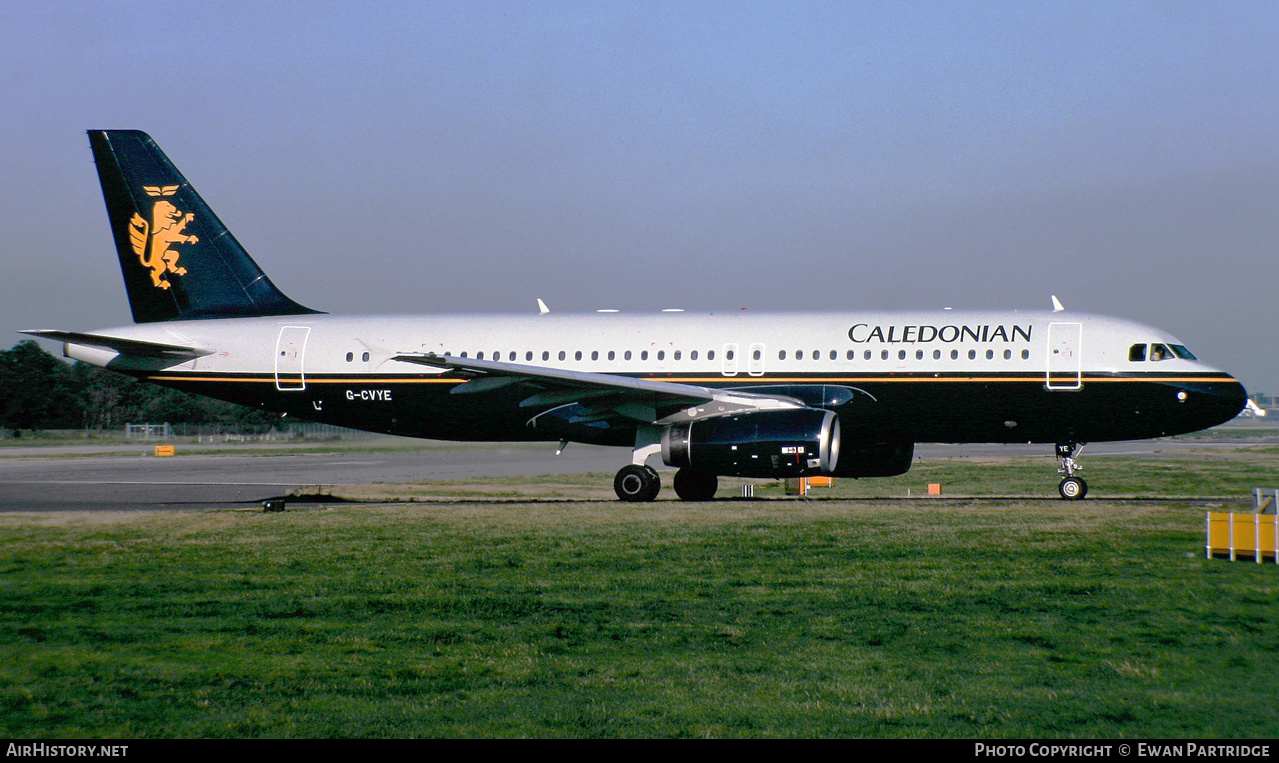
(1057, 306)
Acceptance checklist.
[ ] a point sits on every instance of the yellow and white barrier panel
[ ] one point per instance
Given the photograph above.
(1250, 535)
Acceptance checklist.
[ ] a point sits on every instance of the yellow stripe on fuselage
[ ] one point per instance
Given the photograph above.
(912, 379)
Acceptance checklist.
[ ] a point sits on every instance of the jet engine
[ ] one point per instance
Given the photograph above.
(790, 443)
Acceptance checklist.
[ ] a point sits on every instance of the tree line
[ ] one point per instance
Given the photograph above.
(39, 391)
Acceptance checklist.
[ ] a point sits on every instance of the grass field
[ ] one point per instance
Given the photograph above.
(977, 617)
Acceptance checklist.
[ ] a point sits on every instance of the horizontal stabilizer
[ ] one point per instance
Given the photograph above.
(129, 347)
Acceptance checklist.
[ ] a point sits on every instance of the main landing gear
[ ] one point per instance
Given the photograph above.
(1072, 488)
(638, 483)
(694, 485)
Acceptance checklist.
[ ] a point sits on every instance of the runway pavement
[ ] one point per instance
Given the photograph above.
(89, 478)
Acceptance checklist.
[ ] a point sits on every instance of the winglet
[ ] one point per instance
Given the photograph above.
(1057, 306)
(542, 309)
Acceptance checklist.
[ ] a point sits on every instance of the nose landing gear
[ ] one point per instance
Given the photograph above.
(1072, 488)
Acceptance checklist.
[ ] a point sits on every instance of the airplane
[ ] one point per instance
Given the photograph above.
(1251, 410)
(739, 393)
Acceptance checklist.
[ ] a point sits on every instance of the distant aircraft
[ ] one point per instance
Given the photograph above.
(740, 393)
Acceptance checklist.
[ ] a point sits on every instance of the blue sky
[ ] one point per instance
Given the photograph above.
(475, 156)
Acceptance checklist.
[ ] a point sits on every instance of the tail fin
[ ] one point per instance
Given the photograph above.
(179, 261)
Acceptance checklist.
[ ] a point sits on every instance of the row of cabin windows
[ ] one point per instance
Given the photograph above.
(1158, 351)
(728, 354)
(902, 354)
(611, 355)
(1136, 353)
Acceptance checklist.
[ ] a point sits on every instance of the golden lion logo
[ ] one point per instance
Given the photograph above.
(153, 241)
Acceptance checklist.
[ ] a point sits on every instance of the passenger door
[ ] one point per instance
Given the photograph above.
(290, 353)
(1065, 361)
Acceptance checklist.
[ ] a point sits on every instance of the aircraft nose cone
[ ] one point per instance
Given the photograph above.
(1203, 404)
(1222, 402)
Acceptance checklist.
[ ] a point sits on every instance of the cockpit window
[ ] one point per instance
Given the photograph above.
(1137, 352)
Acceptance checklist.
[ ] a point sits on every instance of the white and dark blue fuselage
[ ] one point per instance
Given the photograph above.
(743, 393)
(947, 376)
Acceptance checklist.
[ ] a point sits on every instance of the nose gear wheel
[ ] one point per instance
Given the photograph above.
(1071, 488)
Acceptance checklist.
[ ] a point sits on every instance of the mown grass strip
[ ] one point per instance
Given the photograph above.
(827, 618)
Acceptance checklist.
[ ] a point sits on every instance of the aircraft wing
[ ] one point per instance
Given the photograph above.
(128, 347)
(600, 396)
